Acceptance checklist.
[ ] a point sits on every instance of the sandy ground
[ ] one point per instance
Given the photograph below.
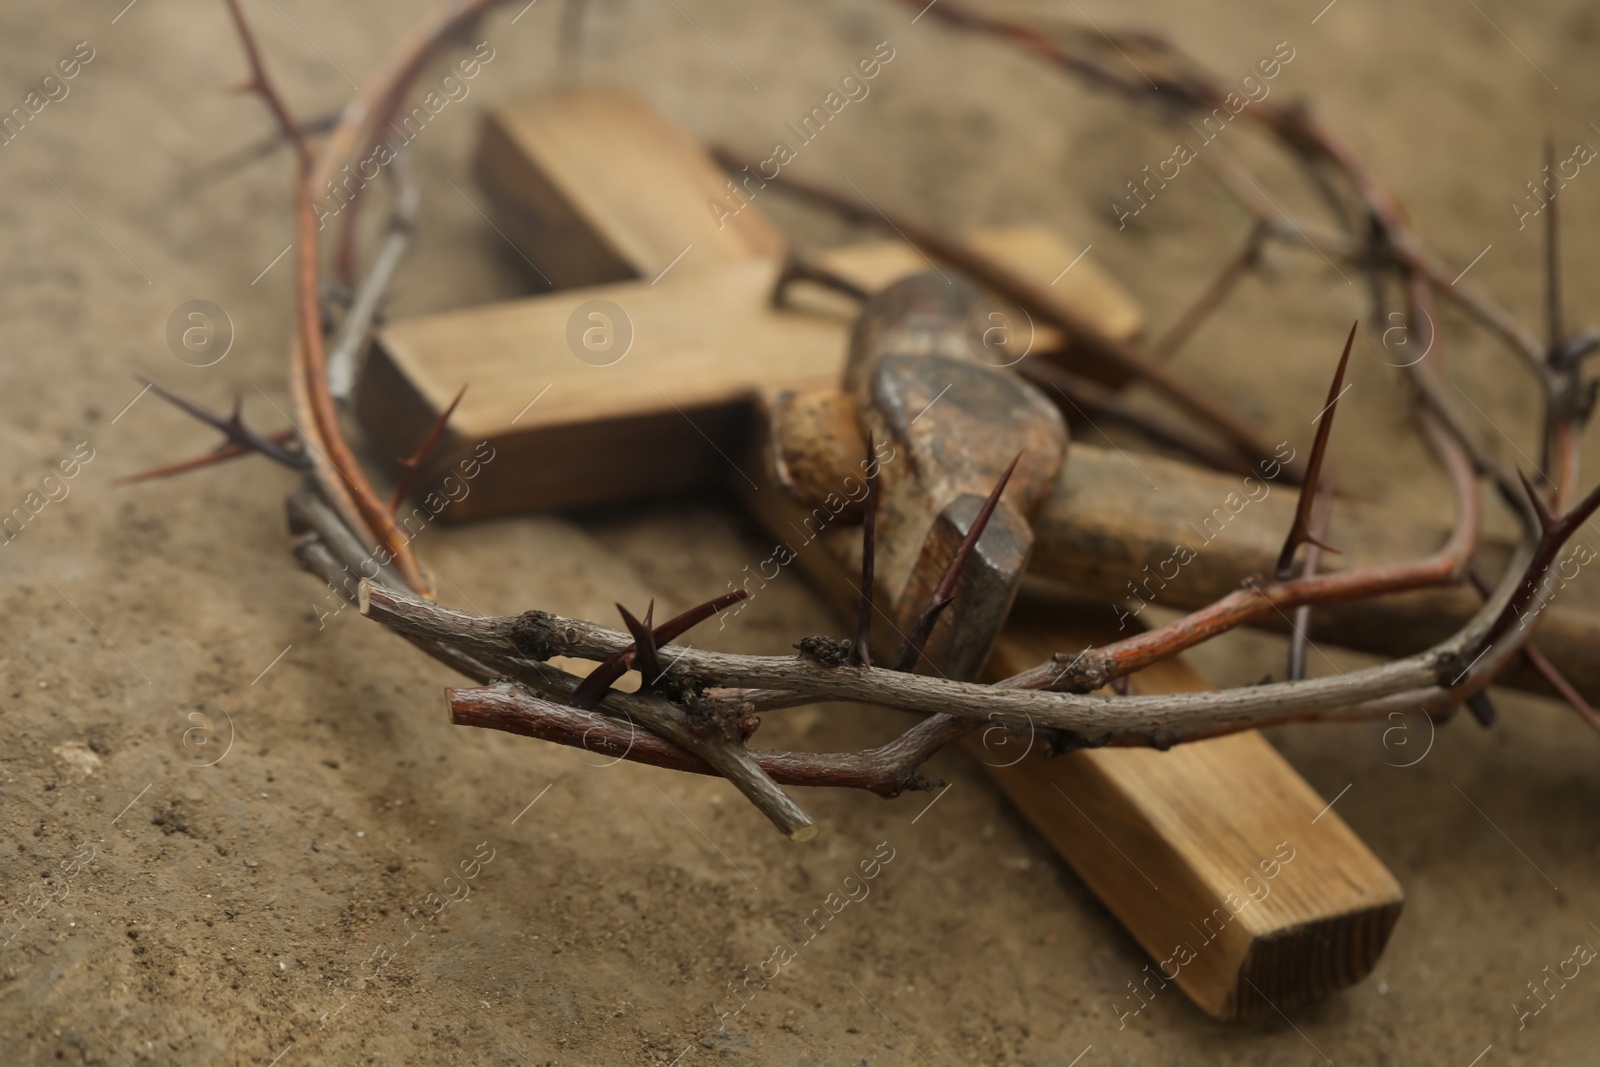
(248, 904)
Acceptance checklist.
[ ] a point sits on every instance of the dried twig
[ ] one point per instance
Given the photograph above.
(887, 770)
(1084, 398)
(220, 169)
(1559, 683)
(1213, 296)
(796, 268)
(262, 85)
(240, 436)
(221, 454)
(343, 360)
(519, 642)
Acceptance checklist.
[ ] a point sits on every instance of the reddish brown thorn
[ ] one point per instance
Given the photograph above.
(261, 84)
(599, 680)
(1300, 533)
(411, 467)
(1547, 670)
(944, 592)
(223, 453)
(1553, 534)
(1546, 519)
(644, 644)
(860, 653)
(683, 622)
(234, 428)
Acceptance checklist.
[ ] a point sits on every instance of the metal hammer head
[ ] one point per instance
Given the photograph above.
(925, 383)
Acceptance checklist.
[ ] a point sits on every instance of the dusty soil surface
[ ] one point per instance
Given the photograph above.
(248, 900)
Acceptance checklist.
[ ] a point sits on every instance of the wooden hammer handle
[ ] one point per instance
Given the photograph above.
(1137, 530)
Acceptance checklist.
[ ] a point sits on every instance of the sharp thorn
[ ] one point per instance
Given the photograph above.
(1320, 543)
(1553, 533)
(1546, 519)
(1300, 531)
(943, 592)
(221, 454)
(681, 623)
(644, 657)
(234, 430)
(412, 467)
(599, 680)
(1541, 663)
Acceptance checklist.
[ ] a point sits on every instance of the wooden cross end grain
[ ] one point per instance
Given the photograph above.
(1246, 888)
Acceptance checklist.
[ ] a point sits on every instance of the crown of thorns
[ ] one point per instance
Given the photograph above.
(696, 710)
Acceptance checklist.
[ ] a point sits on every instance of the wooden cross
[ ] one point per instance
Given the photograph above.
(643, 373)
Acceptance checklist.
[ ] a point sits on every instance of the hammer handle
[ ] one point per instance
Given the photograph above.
(1145, 530)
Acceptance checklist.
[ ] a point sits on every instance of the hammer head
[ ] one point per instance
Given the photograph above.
(927, 384)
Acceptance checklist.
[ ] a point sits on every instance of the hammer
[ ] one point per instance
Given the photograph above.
(946, 428)
(957, 427)
(928, 382)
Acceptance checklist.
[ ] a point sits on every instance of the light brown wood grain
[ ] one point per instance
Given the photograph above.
(596, 186)
(1178, 845)
(652, 422)
(705, 342)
